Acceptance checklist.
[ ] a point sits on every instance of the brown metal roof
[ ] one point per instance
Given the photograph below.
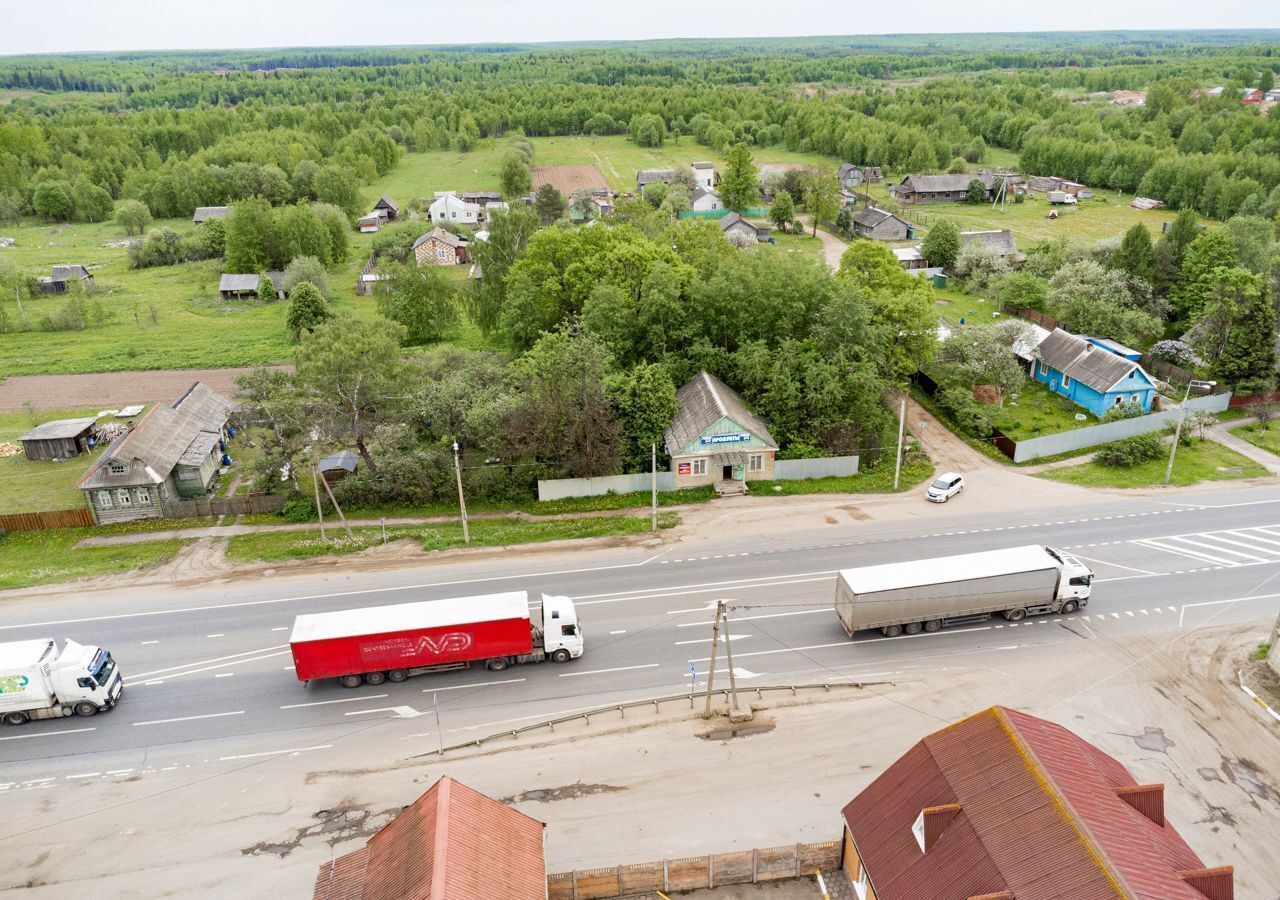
(1040, 817)
(452, 843)
(704, 401)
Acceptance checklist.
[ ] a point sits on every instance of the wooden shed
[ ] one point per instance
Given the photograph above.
(60, 439)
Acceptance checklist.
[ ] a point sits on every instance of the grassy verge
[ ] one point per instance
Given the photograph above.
(29, 558)
(1201, 461)
(879, 480)
(484, 533)
(1263, 438)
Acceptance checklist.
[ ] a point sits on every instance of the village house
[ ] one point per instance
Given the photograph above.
(233, 286)
(372, 222)
(917, 189)
(911, 259)
(388, 207)
(715, 439)
(439, 247)
(448, 207)
(60, 439)
(735, 224)
(646, 177)
(849, 176)
(704, 200)
(1006, 806)
(60, 277)
(881, 225)
(1096, 374)
(1000, 241)
(204, 213)
(452, 843)
(705, 176)
(480, 198)
(170, 454)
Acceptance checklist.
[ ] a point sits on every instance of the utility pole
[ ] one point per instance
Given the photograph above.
(315, 483)
(715, 643)
(653, 450)
(435, 703)
(1182, 417)
(334, 500)
(735, 714)
(462, 502)
(897, 453)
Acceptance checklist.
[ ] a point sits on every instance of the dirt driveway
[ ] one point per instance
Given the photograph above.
(110, 389)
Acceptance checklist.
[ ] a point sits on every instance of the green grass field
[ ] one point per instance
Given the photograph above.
(35, 485)
(1037, 411)
(43, 557)
(1201, 461)
(1267, 438)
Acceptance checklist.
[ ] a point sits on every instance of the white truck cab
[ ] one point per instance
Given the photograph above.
(39, 681)
(561, 633)
(1077, 578)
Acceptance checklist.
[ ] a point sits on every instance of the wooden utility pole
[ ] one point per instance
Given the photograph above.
(897, 454)
(334, 500)
(715, 643)
(653, 450)
(315, 483)
(735, 714)
(462, 502)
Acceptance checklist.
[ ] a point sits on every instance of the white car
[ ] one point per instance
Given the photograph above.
(944, 487)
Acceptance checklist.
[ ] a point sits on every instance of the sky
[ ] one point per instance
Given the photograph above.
(50, 26)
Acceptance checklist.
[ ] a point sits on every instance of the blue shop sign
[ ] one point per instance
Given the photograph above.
(737, 438)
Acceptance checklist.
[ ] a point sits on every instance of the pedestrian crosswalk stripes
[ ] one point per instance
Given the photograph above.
(1229, 547)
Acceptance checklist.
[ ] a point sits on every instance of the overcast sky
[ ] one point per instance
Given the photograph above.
(44, 26)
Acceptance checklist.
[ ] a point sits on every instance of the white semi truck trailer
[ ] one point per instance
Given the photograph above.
(40, 681)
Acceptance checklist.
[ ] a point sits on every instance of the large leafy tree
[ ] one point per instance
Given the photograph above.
(983, 355)
(783, 210)
(307, 310)
(1172, 248)
(250, 236)
(421, 299)
(1234, 328)
(1136, 254)
(1210, 251)
(644, 401)
(821, 196)
(133, 216)
(549, 203)
(941, 245)
(509, 233)
(514, 175)
(901, 305)
(738, 188)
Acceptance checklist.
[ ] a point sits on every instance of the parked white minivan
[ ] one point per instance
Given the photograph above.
(944, 487)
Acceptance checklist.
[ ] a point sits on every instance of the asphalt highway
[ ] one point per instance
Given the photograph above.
(209, 680)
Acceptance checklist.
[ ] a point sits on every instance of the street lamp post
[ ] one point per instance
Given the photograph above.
(462, 502)
(1182, 417)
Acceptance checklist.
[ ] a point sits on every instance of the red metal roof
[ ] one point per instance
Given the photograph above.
(452, 843)
(1039, 817)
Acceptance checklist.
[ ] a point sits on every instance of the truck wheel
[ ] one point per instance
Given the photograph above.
(891, 630)
(397, 675)
(1015, 615)
(375, 678)
(913, 628)
(85, 709)
(16, 718)
(1070, 606)
(351, 681)
(497, 664)
(933, 625)
(562, 655)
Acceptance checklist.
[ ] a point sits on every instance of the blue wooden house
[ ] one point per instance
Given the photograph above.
(1091, 374)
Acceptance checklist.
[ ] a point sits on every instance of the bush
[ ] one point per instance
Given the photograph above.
(1130, 451)
(299, 509)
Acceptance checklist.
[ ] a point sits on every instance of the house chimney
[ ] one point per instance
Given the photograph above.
(1147, 799)
(932, 821)
(1216, 884)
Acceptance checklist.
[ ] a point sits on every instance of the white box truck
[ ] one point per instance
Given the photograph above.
(925, 594)
(39, 681)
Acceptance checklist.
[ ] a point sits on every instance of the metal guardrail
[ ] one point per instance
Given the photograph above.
(655, 702)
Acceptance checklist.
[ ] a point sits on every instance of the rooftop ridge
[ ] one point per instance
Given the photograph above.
(715, 395)
(440, 851)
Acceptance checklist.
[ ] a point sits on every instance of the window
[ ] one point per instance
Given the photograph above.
(117, 468)
(755, 462)
(123, 496)
(860, 886)
(1044, 368)
(1066, 381)
(1119, 401)
(104, 499)
(142, 495)
(700, 466)
(1136, 398)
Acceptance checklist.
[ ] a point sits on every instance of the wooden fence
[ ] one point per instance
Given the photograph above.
(38, 521)
(694, 872)
(1031, 315)
(1253, 400)
(226, 506)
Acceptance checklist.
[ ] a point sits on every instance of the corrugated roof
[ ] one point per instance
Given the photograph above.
(209, 408)
(946, 183)
(870, 217)
(1000, 240)
(67, 272)
(1039, 817)
(343, 459)
(200, 447)
(1090, 365)
(239, 282)
(210, 212)
(59, 429)
(704, 401)
(452, 843)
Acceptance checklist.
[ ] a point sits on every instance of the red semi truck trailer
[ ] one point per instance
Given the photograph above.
(390, 643)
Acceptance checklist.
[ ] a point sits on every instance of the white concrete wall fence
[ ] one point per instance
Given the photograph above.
(784, 470)
(1106, 432)
(796, 469)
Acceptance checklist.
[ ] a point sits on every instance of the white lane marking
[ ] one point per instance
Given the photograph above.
(804, 612)
(401, 712)
(239, 712)
(302, 597)
(224, 675)
(710, 605)
(40, 734)
(1116, 565)
(149, 683)
(281, 628)
(663, 593)
(682, 588)
(1253, 537)
(144, 643)
(327, 702)
(201, 662)
(1186, 606)
(235, 662)
(1183, 551)
(732, 637)
(41, 780)
(544, 716)
(463, 687)
(215, 635)
(1216, 548)
(274, 752)
(847, 643)
(83, 775)
(738, 672)
(619, 631)
(602, 671)
(119, 771)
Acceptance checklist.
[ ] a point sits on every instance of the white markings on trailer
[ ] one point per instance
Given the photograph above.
(603, 671)
(327, 702)
(463, 687)
(40, 734)
(239, 712)
(274, 752)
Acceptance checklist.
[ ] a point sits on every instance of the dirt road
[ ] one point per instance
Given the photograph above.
(110, 389)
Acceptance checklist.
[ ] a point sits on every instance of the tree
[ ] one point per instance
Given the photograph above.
(514, 175)
(133, 216)
(644, 399)
(1254, 239)
(984, 355)
(821, 196)
(976, 193)
(307, 310)
(844, 220)
(901, 305)
(549, 203)
(738, 187)
(1136, 254)
(52, 200)
(421, 299)
(1172, 248)
(1093, 300)
(1210, 251)
(251, 236)
(1023, 290)
(941, 245)
(338, 186)
(339, 227)
(298, 232)
(982, 267)
(782, 210)
(1234, 331)
(306, 268)
(93, 203)
(509, 233)
(350, 377)
(303, 178)
(266, 290)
